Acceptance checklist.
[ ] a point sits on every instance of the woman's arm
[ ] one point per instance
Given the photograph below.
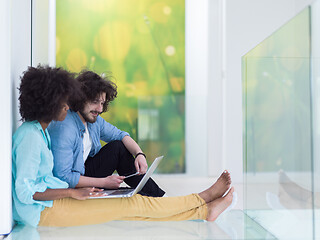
(54, 194)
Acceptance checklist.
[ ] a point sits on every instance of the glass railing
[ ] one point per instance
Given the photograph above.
(315, 73)
(281, 89)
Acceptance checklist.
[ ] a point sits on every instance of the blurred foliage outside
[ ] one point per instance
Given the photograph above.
(142, 44)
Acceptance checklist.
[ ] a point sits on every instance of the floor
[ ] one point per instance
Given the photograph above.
(234, 224)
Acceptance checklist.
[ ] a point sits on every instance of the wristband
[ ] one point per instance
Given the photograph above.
(140, 153)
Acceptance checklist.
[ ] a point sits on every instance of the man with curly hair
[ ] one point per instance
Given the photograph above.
(79, 158)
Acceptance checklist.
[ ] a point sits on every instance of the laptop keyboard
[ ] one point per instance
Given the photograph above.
(121, 191)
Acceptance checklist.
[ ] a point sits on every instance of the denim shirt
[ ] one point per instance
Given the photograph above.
(32, 164)
(67, 144)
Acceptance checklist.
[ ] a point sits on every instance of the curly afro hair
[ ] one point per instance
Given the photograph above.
(92, 85)
(43, 90)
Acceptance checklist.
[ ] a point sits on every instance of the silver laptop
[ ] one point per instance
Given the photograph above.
(122, 193)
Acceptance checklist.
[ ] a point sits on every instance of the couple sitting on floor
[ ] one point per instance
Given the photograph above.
(58, 159)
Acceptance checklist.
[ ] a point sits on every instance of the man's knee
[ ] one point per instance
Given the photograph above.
(116, 145)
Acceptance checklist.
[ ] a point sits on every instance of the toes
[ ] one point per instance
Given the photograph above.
(225, 175)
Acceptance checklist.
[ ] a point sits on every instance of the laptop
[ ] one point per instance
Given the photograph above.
(123, 193)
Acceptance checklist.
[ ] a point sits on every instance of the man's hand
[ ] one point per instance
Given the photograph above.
(141, 164)
(112, 182)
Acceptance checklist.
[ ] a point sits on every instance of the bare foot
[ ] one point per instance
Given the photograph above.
(218, 188)
(216, 207)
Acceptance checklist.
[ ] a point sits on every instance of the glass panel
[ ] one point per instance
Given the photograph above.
(142, 44)
(277, 131)
(315, 60)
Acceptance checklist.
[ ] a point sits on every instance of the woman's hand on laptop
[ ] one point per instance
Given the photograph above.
(85, 193)
(112, 182)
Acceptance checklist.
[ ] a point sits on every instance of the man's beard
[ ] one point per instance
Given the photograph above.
(87, 118)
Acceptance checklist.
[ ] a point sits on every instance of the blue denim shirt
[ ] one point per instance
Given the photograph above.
(67, 144)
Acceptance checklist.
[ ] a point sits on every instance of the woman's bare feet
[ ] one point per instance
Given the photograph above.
(216, 207)
(217, 189)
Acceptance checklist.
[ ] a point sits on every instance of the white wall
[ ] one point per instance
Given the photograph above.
(5, 120)
(20, 50)
(15, 48)
(43, 32)
(215, 105)
(196, 86)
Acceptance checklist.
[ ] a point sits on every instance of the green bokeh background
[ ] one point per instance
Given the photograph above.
(142, 44)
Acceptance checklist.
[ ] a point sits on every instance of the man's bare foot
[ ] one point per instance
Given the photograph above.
(216, 207)
(217, 189)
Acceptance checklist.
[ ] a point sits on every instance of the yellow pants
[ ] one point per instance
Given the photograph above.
(70, 212)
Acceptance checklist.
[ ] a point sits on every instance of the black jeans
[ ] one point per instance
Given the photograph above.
(115, 156)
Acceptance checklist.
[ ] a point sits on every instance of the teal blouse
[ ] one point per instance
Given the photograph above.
(32, 164)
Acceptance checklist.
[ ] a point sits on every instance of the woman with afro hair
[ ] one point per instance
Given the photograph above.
(39, 198)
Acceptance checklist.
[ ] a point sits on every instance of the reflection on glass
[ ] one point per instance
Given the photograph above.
(148, 124)
(161, 130)
(22, 232)
(278, 131)
(229, 225)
